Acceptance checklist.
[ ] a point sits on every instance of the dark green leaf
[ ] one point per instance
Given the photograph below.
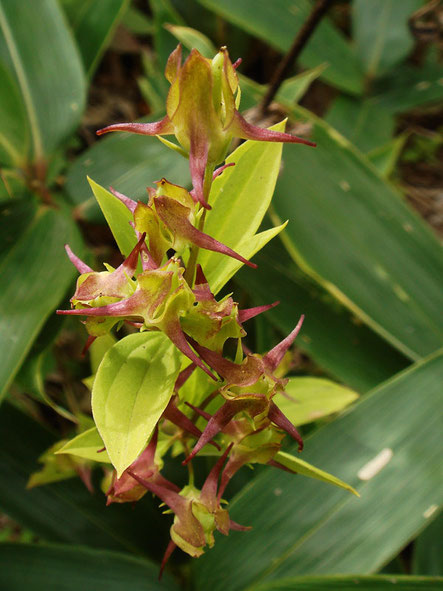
(357, 236)
(66, 511)
(14, 130)
(93, 24)
(364, 122)
(337, 583)
(35, 276)
(39, 568)
(385, 157)
(341, 345)
(409, 87)
(388, 447)
(277, 23)
(381, 33)
(164, 42)
(37, 48)
(427, 558)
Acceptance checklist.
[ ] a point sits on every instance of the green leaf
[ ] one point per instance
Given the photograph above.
(409, 87)
(88, 445)
(36, 274)
(31, 379)
(355, 235)
(93, 25)
(153, 84)
(52, 468)
(305, 469)
(381, 33)
(277, 23)
(388, 447)
(117, 216)
(363, 122)
(220, 271)
(427, 557)
(66, 511)
(309, 399)
(37, 48)
(164, 12)
(131, 390)
(385, 157)
(129, 163)
(239, 199)
(193, 39)
(69, 569)
(293, 89)
(347, 350)
(99, 347)
(14, 131)
(340, 583)
(137, 22)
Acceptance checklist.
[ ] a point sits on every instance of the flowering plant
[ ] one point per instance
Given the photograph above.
(169, 386)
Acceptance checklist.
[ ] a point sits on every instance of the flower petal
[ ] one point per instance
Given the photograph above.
(241, 128)
(273, 358)
(279, 419)
(163, 127)
(78, 263)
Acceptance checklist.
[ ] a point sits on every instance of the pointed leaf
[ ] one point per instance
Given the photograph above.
(309, 399)
(88, 445)
(133, 386)
(385, 157)
(118, 217)
(239, 198)
(191, 38)
(305, 469)
(375, 255)
(220, 271)
(241, 195)
(69, 569)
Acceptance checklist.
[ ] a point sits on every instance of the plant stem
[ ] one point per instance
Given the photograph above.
(302, 37)
(193, 256)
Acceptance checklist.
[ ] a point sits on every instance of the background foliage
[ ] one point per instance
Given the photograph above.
(360, 257)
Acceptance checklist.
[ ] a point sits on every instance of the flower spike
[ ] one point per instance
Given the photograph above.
(244, 315)
(163, 127)
(241, 128)
(78, 263)
(174, 216)
(273, 358)
(202, 114)
(277, 417)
